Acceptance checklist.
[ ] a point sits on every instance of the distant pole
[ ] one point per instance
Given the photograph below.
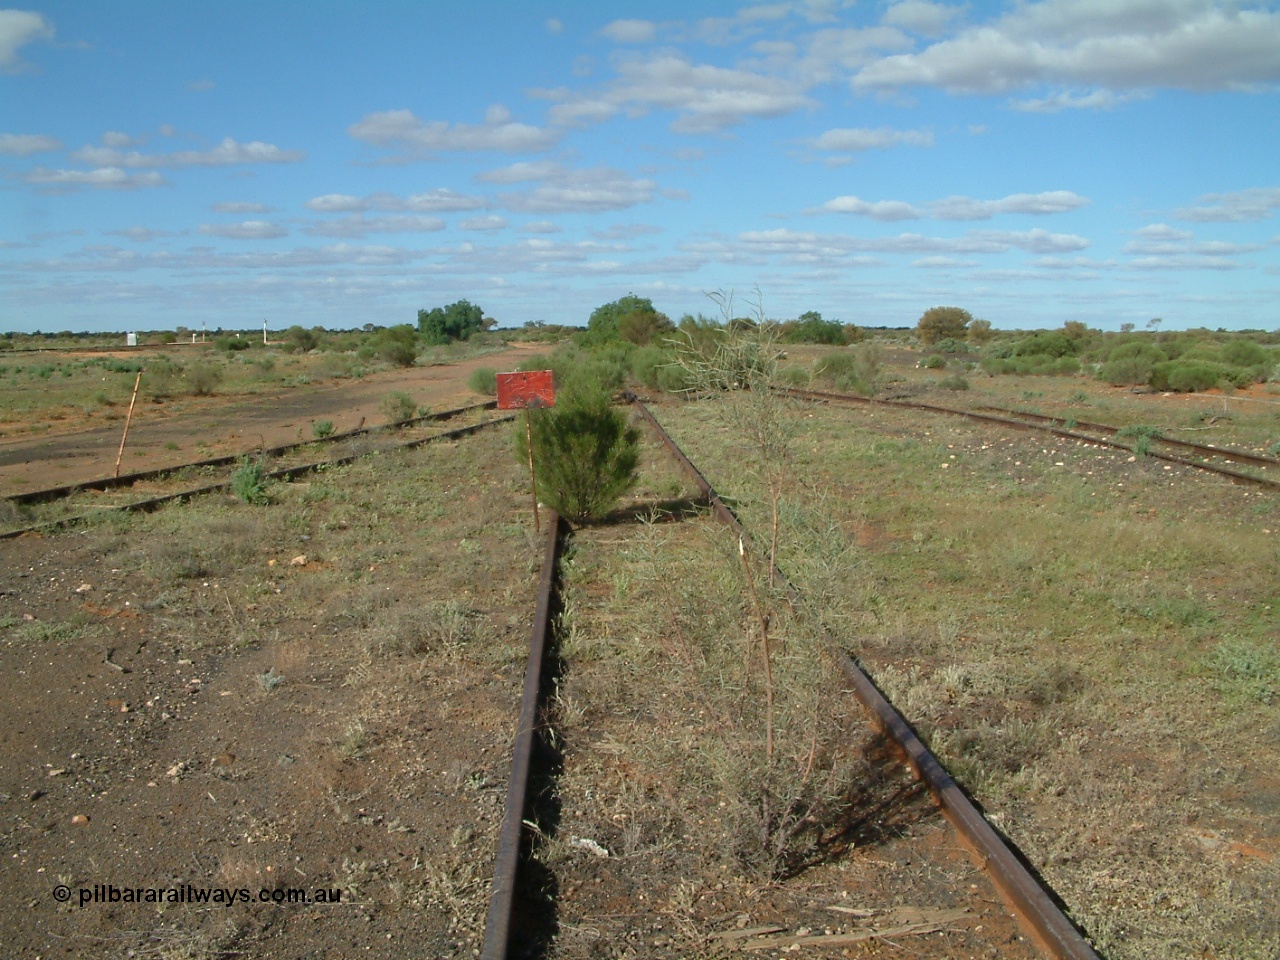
(127, 420)
(264, 333)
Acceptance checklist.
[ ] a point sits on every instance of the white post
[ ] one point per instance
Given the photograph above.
(264, 332)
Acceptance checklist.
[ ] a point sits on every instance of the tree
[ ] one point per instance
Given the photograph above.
(811, 328)
(603, 325)
(641, 326)
(943, 323)
(980, 331)
(458, 321)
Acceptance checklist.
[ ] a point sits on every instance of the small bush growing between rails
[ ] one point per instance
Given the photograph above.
(249, 483)
(321, 429)
(484, 380)
(398, 407)
(584, 451)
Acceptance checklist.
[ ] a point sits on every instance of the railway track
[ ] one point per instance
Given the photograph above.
(73, 503)
(1098, 434)
(1033, 904)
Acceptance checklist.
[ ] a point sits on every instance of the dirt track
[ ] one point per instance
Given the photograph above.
(164, 434)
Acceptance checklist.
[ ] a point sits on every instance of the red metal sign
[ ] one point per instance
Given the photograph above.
(532, 388)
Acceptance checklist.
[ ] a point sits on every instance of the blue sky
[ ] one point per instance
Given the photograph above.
(336, 164)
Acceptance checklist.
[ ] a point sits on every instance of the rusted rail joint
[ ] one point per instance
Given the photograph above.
(1031, 902)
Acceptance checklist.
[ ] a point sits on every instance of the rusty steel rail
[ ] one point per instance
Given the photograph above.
(497, 933)
(1198, 449)
(1031, 902)
(110, 483)
(1234, 475)
(287, 473)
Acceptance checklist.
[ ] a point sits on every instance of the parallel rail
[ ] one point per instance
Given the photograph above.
(1032, 902)
(50, 494)
(1235, 476)
(285, 474)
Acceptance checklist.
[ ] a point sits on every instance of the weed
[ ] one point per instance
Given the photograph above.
(49, 631)
(954, 382)
(398, 407)
(1247, 667)
(321, 429)
(270, 680)
(249, 482)
(484, 380)
(354, 743)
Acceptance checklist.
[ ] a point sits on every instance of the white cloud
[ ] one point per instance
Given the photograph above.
(234, 206)
(554, 26)
(1163, 232)
(113, 138)
(862, 138)
(1067, 100)
(1256, 203)
(141, 234)
(706, 98)
(966, 208)
(959, 208)
(523, 172)
(359, 225)
(25, 144)
(626, 231)
(591, 190)
(248, 230)
(107, 178)
(541, 226)
(402, 131)
(434, 201)
(630, 31)
(886, 210)
(1112, 44)
(17, 29)
(488, 222)
(227, 153)
(922, 17)
(337, 203)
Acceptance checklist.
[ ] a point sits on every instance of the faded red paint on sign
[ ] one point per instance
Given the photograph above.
(532, 388)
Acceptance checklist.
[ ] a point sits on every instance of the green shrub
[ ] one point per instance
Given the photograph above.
(484, 380)
(954, 382)
(851, 371)
(585, 453)
(1049, 343)
(934, 362)
(1036, 364)
(1131, 363)
(202, 379)
(645, 363)
(249, 482)
(396, 345)
(1189, 375)
(398, 407)
(321, 429)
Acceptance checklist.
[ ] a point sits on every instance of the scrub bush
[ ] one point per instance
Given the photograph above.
(584, 451)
